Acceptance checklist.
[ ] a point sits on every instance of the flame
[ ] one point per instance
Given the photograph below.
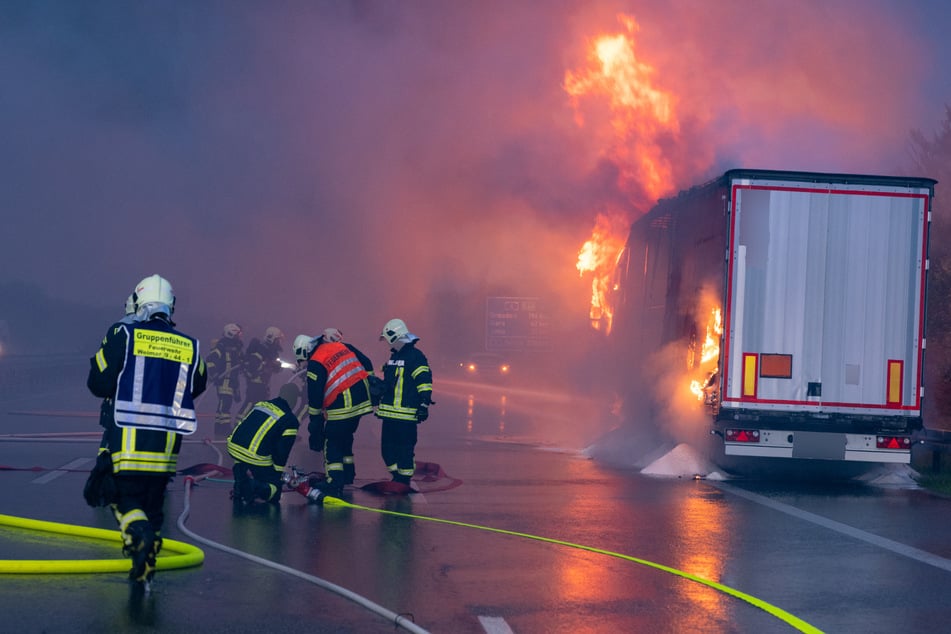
(641, 114)
(599, 255)
(641, 117)
(709, 352)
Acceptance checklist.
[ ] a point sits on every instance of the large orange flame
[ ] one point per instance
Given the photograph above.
(640, 115)
(599, 255)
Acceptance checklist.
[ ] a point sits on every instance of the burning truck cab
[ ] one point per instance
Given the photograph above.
(792, 304)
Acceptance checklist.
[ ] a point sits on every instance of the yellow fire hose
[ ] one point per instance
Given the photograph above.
(185, 555)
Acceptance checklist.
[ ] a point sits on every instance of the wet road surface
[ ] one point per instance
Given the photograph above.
(518, 532)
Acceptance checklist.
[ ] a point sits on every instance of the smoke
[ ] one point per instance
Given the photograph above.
(318, 164)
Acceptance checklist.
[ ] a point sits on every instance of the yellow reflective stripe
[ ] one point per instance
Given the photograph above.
(349, 412)
(420, 370)
(243, 455)
(101, 361)
(135, 515)
(400, 413)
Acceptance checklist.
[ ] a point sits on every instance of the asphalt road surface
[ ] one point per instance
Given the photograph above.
(515, 530)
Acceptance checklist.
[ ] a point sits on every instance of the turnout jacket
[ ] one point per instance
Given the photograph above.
(408, 383)
(261, 361)
(265, 436)
(224, 364)
(337, 381)
(151, 373)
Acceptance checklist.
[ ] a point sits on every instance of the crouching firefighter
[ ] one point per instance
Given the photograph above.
(260, 446)
(152, 372)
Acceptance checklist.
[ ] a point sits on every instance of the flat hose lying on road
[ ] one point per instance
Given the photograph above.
(780, 614)
(186, 555)
(397, 619)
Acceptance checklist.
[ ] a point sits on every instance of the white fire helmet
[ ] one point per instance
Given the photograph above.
(129, 305)
(154, 289)
(393, 330)
(273, 334)
(332, 335)
(303, 346)
(232, 331)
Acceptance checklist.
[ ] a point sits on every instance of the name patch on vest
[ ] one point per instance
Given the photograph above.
(163, 345)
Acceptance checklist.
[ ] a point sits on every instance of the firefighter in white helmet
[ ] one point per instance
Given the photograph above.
(303, 346)
(261, 362)
(153, 384)
(338, 393)
(225, 362)
(407, 395)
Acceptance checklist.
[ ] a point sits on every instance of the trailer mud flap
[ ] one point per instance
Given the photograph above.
(819, 445)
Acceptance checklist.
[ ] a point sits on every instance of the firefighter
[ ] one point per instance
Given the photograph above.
(407, 395)
(338, 393)
(261, 362)
(225, 361)
(303, 346)
(260, 445)
(107, 406)
(153, 373)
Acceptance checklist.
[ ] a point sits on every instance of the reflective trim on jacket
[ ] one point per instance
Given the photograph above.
(344, 369)
(266, 435)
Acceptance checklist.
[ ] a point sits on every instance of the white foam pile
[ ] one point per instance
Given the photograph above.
(683, 461)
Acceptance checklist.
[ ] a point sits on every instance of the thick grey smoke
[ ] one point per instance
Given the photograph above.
(314, 164)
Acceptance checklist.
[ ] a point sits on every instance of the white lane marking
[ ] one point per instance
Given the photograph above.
(52, 475)
(495, 625)
(882, 542)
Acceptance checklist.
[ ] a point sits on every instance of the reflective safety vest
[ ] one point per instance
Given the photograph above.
(155, 384)
(344, 369)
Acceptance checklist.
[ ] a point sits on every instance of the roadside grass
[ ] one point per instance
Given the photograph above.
(933, 470)
(935, 481)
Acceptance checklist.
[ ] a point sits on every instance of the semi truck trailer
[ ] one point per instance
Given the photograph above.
(797, 300)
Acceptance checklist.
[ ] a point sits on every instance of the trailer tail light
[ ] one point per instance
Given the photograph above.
(893, 442)
(742, 435)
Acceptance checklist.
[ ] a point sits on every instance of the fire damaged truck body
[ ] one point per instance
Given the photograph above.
(817, 282)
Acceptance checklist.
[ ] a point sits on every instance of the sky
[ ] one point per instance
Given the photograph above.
(307, 164)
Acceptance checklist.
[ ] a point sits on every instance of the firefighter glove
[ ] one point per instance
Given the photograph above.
(422, 412)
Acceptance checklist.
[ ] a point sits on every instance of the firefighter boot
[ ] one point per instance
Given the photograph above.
(142, 546)
(349, 472)
(331, 487)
